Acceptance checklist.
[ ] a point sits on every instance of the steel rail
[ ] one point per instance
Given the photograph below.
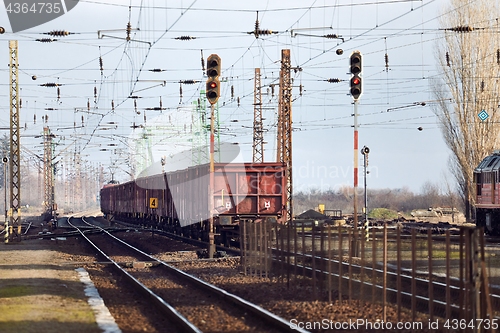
(187, 240)
(425, 300)
(423, 282)
(166, 308)
(357, 267)
(260, 312)
(453, 287)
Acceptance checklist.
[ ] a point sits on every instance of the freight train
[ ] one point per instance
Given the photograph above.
(179, 201)
(487, 182)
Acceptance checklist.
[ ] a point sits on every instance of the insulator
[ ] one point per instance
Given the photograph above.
(46, 118)
(34, 119)
(333, 80)
(155, 108)
(188, 81)
(88, 104)
(386, 57)
(25, 126)
(134, 97)
(58, 93)
(161, 104)
(185, 38)
(50, 109)
(144, 116)
(238, 101)
(95, 92)
(129, 29)
(113, 105)
(180, 89)
(58, 33)
(498, 57)
(264, 32)
(46, 40)
(135, 105)
(100, 64)
(257, 26)
(202, 62)
(232, 91)
(332, 36)
(272, 91)
(156, 70)
(447, 59)
(462, 28)
(83, 121)
(50, 84)
(300, 90)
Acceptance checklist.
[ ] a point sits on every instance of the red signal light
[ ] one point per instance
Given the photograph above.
(213, 73)
(356, 81)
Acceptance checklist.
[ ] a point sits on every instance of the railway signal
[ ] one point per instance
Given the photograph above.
(213, 83)
(213, 94)
(365, 151)
(355, 69)
(356, 84)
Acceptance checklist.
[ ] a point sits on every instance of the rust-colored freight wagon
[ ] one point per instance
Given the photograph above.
(179, 200)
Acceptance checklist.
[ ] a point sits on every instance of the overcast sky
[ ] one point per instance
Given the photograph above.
(390, 108)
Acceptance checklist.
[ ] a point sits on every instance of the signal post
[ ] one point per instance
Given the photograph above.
(355, 84)
(213, 93)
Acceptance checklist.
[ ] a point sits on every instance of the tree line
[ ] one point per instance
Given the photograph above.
(398, 199)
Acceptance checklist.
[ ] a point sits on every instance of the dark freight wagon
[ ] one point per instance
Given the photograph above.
(178, 201)
(487, 181)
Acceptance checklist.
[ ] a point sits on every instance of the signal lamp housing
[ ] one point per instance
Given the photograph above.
(213, 73)
(356, 67)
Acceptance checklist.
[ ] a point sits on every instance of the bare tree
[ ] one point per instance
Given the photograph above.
(469, 58)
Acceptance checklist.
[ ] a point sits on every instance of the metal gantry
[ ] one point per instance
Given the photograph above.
(284, 145)
(14, 229)
(258, 135)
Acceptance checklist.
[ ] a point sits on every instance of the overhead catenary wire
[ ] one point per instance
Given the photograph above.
(108, 87)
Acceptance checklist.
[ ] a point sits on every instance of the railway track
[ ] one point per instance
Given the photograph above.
(441, 294)
(192, 303)
(373, 278)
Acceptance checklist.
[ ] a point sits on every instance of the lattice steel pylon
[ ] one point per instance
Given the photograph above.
(200, 131)
(15, 146)
(48, 171)
(284, 144)
(258, 130)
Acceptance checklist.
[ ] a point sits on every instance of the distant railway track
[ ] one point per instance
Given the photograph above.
(221, 304)
(374, 279)
(196, 242)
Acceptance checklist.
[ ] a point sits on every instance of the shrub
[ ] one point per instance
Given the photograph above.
(383, 214)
